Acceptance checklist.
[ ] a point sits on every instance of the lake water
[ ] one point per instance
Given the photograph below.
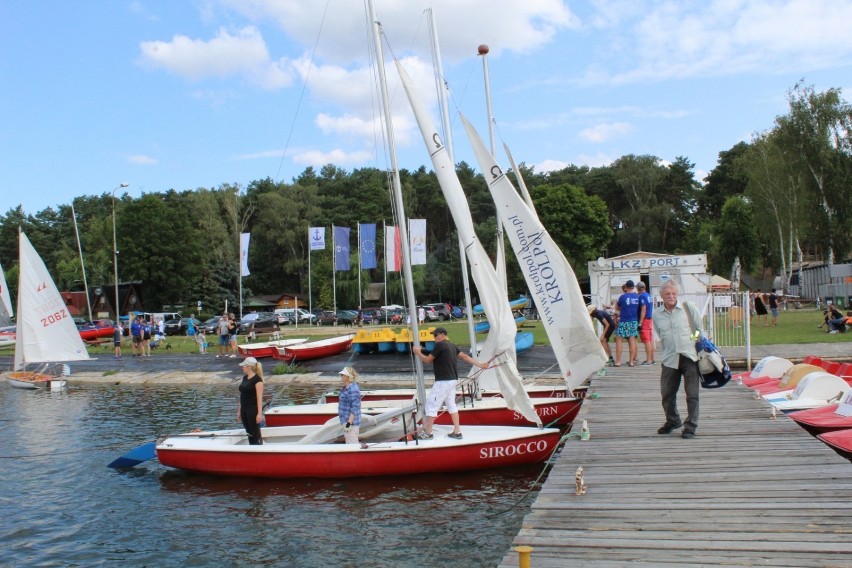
(61, 505)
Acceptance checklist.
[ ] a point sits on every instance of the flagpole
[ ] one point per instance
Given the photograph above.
(360, 295)
(385, 234)
(310, 294)
(240, 270)
(333, 271)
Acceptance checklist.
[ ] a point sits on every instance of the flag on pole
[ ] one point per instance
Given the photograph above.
(393, 249)
(341, 248)
(244, 244)
(417, 236)
(367, 245)
(316, 238)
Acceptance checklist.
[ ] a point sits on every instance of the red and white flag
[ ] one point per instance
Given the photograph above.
(393, 249)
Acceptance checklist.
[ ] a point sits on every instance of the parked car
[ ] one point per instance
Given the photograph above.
(326, 318)
(178, 326)
(210, 325)
(430, 313)
(372, 315)
(346, 317)
(444, 311)
(259, 323)
(291, 313)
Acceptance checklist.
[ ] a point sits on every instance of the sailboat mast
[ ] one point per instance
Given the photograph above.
(82, 264)
(397, 193)
(448, 139)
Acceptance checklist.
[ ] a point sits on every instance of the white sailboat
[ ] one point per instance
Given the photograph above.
(297, 451)
(6, 311)
(548, 274)
(45, 331)
(499, 347)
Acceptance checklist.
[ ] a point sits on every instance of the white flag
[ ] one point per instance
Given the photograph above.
(417, 237)
(244, 244)
(393, 249)
(316, 238)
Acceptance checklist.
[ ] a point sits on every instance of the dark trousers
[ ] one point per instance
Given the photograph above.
(669, 385)
(248, 416)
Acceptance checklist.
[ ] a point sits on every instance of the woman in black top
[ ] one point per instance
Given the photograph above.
(250, 408)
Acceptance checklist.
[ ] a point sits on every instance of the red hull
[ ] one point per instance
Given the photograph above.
(840, 441)
(556, 392)
(258, 352)
(553, 414)
(370, 462)
(821, 420)
(96, 333)
(308, 352)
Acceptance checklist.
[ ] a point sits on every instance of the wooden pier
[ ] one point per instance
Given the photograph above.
(748, 490)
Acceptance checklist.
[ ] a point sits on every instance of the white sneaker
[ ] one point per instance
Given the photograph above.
(834, 331)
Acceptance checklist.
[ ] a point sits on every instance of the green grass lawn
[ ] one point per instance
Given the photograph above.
(794, 327)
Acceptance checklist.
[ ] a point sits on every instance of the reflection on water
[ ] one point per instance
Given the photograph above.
(62, 506)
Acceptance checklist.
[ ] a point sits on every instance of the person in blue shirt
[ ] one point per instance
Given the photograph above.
(646, 323)
(349, 405)
(628, 323)
(136, 336)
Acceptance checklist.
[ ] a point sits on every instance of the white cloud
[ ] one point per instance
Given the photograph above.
(660, 40)
(337, 157)
(603, 132)
(596, 161)
(550, 166)
(142, 159)
(227, 55)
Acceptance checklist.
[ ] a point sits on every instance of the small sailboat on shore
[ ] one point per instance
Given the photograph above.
(46, 334)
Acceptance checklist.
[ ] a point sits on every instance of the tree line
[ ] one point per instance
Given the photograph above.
(769, 203)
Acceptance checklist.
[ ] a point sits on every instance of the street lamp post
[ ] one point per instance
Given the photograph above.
(115, 254)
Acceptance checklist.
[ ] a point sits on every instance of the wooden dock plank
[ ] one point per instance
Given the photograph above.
(749, 490)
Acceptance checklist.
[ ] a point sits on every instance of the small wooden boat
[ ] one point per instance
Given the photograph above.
(267, 348)
(314, 349)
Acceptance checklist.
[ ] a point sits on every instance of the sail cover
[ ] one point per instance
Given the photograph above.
(499, 347)
(548, 274)
(45, 330)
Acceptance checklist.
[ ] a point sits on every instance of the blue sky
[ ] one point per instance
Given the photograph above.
(186, 94)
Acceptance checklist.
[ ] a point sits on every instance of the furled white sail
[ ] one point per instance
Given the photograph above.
(499, 347)
(548, 274)
(45, 330)
(6, 311)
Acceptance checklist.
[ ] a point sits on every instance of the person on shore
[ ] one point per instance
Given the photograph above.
(190, 326)
(117, 332)
(250, 407)
(677, 325)
(136, 336)
(443, 358)
(349, 405)
(146, 338)
(835, 320)
(773, 306)
(646, 322)
(234, 330)
(608, 328)
(628, 324)
(201, 340)
(224, 333)
(760, 307)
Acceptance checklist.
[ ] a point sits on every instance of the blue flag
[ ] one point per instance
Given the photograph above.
(368, 246)
(341, 248)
